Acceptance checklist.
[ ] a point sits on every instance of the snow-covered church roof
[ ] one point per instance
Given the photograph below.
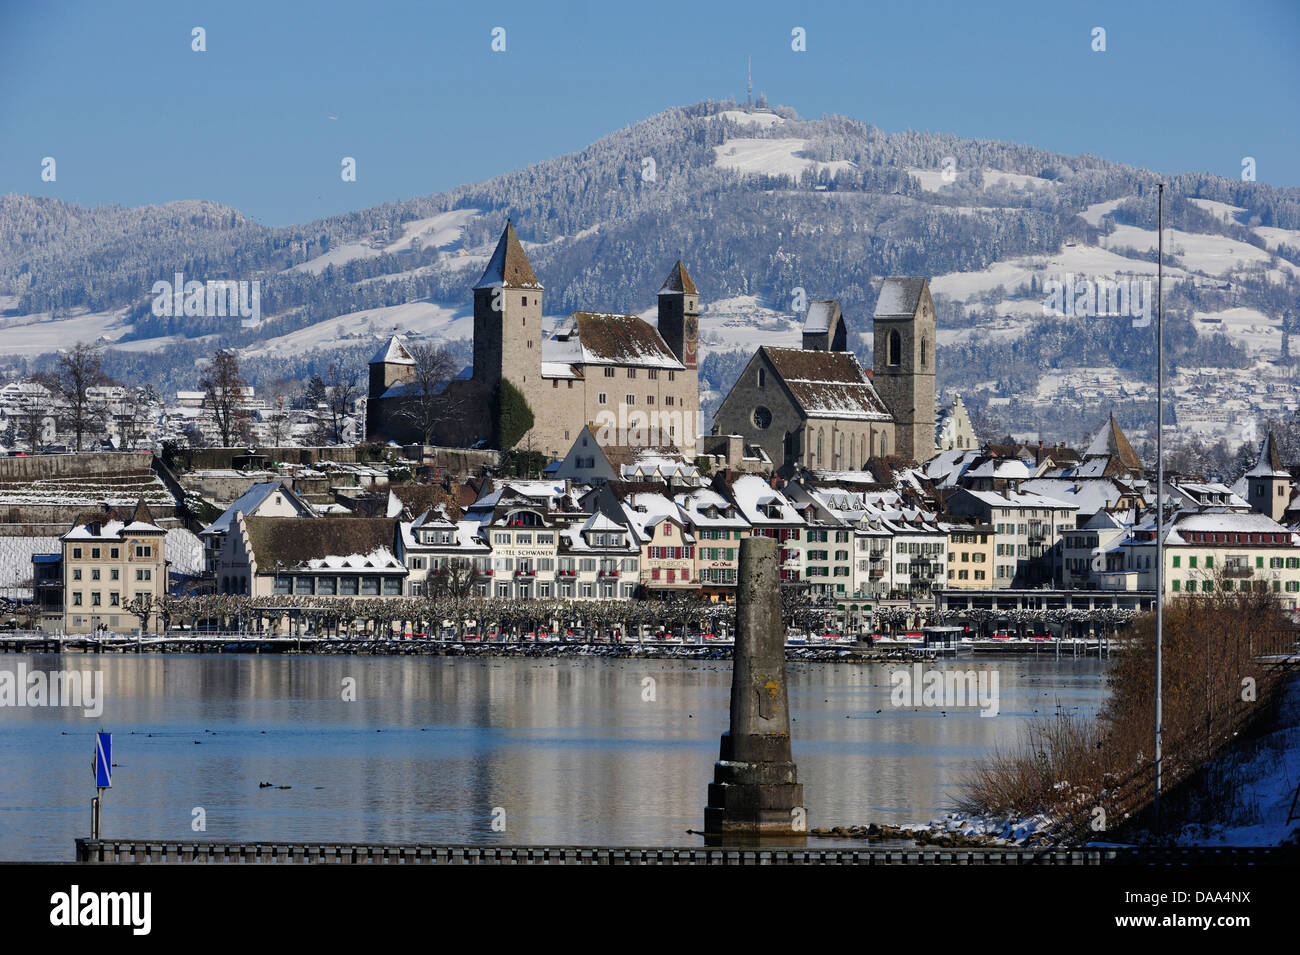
(899, 297)
(819, 316)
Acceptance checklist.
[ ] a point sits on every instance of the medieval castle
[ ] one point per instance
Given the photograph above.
(637, 383)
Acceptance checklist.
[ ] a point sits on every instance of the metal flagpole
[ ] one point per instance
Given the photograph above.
(1160, 486)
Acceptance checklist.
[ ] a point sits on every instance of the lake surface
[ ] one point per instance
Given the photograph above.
(432, 746)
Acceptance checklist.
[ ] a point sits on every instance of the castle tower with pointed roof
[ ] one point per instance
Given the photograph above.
(393, 364)
(508, 317)
(679, 315)
(1268, 484)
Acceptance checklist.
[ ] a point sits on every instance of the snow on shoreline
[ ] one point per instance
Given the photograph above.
(999, 831)
(1264, 773)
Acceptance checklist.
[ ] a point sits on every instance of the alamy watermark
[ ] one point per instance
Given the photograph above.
(131, 910)
(215, 298)
(72, 688)
(1083, 297)
(945, 689)
(647, 429)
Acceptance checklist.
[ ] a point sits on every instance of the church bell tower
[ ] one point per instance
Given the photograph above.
(904, 372)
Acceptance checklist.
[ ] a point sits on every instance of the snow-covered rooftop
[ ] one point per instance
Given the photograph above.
(819, 316)
(509, 266)
(1010, 498)
(1008, 468)
(393, 352)
(600, 338)
(899, 297)
(756, 498)
(381, 558)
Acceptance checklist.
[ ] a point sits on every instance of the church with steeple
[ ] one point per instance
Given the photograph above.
(816, 408)
(635, 383)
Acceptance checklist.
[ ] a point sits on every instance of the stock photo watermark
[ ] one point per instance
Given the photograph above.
(919, 686)
(75, 689)
(647, 429)
(1084, 297)
(215, 298)
(125, 909)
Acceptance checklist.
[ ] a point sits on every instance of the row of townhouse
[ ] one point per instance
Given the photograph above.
(597, 544)
(990, 523)
(719, 528)
(867, 544)
(551, 540)
(544, 540)
(979, 522)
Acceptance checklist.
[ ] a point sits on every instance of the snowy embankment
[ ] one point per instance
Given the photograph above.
(1265, 773)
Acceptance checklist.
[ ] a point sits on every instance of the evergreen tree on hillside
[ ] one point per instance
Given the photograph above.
(315, 394)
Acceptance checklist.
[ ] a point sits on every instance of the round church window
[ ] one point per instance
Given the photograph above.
(762, 417)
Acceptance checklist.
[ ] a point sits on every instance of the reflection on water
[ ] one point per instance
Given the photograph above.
(431, 746)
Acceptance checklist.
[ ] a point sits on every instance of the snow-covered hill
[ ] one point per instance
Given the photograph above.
(757, 203)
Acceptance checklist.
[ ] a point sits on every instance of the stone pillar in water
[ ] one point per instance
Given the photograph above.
(754, 794)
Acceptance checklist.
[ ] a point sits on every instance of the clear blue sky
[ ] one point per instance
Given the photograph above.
(113, 91)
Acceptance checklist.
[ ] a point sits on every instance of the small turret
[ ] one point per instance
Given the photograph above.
(679, 315)
(391, 365)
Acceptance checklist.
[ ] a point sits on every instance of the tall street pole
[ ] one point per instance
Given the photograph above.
(1160, 486)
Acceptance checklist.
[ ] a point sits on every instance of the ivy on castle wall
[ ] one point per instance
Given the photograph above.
(511, 413)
